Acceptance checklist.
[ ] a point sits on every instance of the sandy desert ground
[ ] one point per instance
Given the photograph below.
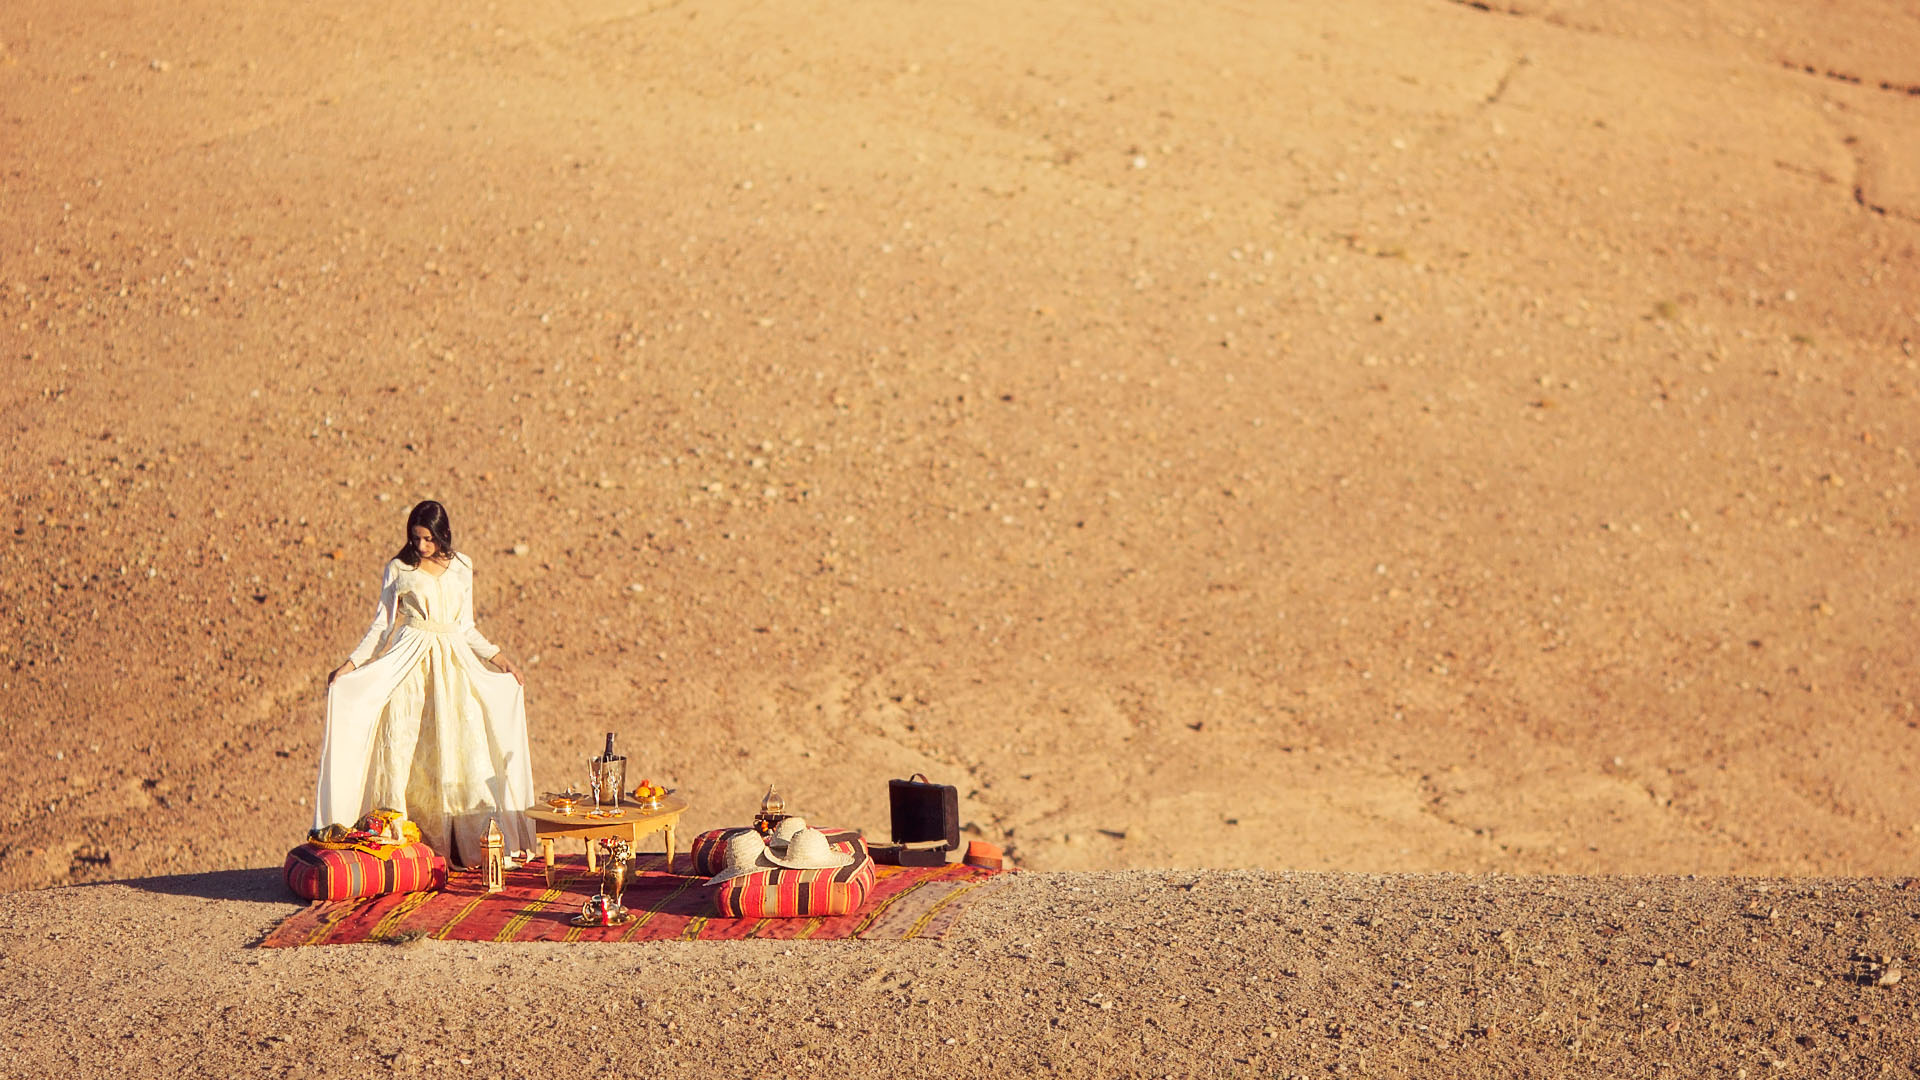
(1087, 974)
(1393, 437)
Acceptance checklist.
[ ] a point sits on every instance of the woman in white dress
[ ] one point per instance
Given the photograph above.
(416, 721)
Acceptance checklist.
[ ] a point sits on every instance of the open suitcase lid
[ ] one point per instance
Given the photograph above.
(924, 812)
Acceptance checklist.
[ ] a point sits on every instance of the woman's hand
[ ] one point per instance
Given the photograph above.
(500, 661)
(339, 671)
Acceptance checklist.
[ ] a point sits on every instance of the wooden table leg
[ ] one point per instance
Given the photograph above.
(593, 860)
(669, 831)
(546, 856)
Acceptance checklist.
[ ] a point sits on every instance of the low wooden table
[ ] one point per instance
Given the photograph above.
(630, 826)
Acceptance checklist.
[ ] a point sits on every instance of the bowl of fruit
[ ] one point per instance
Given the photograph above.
(649, 794)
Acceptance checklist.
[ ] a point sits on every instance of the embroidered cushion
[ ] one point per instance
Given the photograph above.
(784, 893)
(314, 872)
(709, 851)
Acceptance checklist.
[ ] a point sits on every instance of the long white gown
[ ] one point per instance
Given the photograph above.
(421, 725)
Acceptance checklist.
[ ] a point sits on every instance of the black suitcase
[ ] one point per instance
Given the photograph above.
(925, 822)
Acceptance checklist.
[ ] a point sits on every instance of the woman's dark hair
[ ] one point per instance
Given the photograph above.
(434, 518)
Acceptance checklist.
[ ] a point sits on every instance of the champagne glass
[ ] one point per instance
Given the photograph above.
(613, 778)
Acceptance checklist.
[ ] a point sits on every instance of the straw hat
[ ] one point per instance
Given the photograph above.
(746, 852)
(809, 850)
(785, 832)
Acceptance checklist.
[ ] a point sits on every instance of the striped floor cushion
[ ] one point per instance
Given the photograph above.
(780, 893)
(710, 848)
(324, 873)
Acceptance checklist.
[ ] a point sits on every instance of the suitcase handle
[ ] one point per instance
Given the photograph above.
(920, 776)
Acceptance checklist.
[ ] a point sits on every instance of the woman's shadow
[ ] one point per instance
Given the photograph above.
(263, 884)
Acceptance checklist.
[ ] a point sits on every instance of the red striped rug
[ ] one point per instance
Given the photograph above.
(906, 902)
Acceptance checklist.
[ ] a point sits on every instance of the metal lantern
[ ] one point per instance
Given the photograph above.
(773, 810)
(496, 857)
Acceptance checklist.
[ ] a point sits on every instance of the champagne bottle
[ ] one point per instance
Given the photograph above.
(613, 776)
